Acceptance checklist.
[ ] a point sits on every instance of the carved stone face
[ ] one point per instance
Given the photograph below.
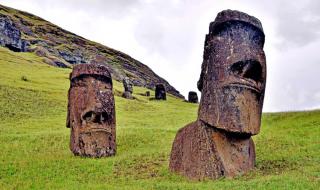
(127, 85)
(160, 93)
(91, 112)
(233, 76)
(192, 97)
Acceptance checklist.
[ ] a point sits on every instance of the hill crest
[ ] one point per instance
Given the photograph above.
(24, 32)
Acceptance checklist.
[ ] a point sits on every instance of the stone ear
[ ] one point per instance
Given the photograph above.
(200, 83)
(68, 113)
(204, 65)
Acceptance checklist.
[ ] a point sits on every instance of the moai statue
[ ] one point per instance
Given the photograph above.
(160, 92)
(127, 88)
(91, 111)
(148, 93)
(192, 97)
(232, 83)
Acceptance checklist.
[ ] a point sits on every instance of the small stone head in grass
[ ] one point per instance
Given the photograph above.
(127, 85)
(160, 93)
(91, 111)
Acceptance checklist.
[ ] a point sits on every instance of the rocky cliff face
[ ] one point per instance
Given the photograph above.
(21, 31)
(10, 36)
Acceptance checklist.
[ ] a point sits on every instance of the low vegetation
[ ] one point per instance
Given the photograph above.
(34, 141)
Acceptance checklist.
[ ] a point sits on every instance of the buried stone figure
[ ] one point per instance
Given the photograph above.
(232, 83)
(192, 97)
(127, 85)
(91, 111)
(160, 93)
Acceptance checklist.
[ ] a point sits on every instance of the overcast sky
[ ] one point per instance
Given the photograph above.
(168, 36)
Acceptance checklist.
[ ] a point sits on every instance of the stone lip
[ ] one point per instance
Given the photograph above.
(21, 31)
(234, 15)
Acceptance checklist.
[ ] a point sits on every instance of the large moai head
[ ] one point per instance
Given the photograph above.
(91, 111)
(160, 93)
(233, 75)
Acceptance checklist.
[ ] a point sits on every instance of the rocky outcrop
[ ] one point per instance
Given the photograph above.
(10, 35)
(21, 31)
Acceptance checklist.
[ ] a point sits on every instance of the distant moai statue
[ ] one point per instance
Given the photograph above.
(160, 92)
(148, 93)
(91, 111)
(127, 88)
(232, 82)
(192, 97)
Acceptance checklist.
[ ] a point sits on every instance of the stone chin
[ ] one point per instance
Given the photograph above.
(235, 108)
(96, 143)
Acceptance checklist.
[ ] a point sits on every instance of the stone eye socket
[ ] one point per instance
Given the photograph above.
(78, 83)
(104, 117)
(250, 69)
(93, 117)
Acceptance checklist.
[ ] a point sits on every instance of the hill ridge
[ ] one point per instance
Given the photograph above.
(21, 31)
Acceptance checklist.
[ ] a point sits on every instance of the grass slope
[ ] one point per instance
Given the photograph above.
(34, 140)
(62, 48)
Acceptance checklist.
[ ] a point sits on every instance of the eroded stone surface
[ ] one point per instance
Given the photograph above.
(160, 93)
(127, 85)
(10, 36)
(91, 111)
(232, 82)
(192, 97)
(200, 151)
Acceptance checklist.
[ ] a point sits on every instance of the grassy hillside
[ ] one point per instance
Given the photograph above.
(24, 32)
(34, 140)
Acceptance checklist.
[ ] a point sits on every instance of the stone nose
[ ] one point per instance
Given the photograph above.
(249, 69)
(94, 117)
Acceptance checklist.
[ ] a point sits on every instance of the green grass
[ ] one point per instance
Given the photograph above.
(34, 140)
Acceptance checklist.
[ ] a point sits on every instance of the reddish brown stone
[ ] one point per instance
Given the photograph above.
(200, 151)
(91, 111)
(232, 83)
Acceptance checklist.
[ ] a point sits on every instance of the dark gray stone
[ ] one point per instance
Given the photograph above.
(160, 93)
(192, 97)
(10, 36)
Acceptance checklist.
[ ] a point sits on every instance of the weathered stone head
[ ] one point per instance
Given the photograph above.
(192, 97)
(160, 93)
(127, 85)
(233, 75)
(91, 111)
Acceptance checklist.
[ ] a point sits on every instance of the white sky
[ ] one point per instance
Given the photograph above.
(168, 36)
